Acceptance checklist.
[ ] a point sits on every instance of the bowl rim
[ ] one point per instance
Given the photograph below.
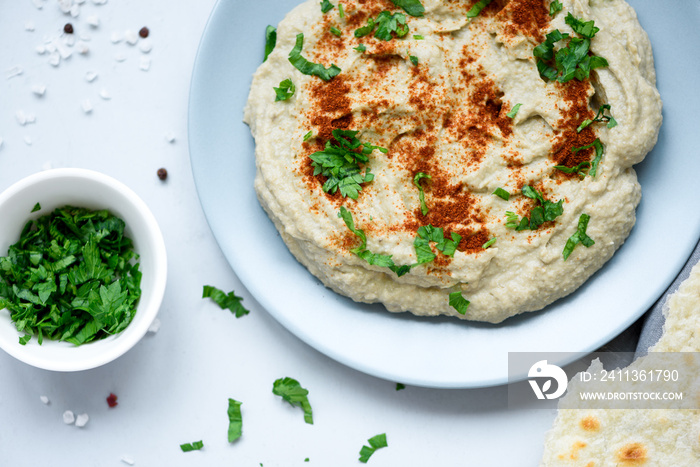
(149, 306)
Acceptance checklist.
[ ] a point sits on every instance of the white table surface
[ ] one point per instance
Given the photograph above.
(174, 385)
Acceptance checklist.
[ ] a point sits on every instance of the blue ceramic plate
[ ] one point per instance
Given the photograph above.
(440, 352)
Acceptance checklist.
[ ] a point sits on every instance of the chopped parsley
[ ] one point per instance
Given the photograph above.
(307, 67)
(196, 446)
(341, 11)
(514, 111)
(375, 442)
(413, 59)
(599, 149)
(235, 420)
(37, 207)
(285, 91)
(290, 390)
(360, 48)
(362, 252)
(459, 303)
(24, 339)
(572, 61)
(476, 9)
(400, 386)
(226, 301)
(386, 24)
(581, 168)
(326, 6)
(308, 136)
(418, 37)
(546, 211)
(340, 163)
(600, 117)
(335, 31)
(72, 277)
(428, 234)
(412, 7)
(579, 237)
(421, 194)
(555, 7)
(501, 193)
(270, 40)
(489, 243)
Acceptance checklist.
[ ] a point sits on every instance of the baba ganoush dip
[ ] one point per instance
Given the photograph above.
(454, 157)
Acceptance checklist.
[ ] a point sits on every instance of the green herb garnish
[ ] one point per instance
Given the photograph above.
(335, 31)
(340, 163)
(270, 40)
(579, 237)
(572, 61)
(599, 149)
(555, 7)
(37, 207)
(418, 37)
(71, 277)
(226, 301)
(285, 91)
(290, 390)
(307, 67)
(600, 117)
(386, 24)
(476, 9)
(428, 234)
(489, 243)
(501, 193)
(413, 59)
(326, 6)
(360, 48)
(235, 420)
(196, 446)
(546, 211)
(514, 111)
(581, 168)
(375, 442)
(412, 7)
(362, 252)
(421, 194)
(459, 303)
(308, 136)
(24, 339)
(341, 11)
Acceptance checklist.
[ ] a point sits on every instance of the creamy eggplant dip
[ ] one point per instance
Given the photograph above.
(454, 157)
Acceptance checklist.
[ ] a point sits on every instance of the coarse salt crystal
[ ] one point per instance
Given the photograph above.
(84, 36)
(75, 11)
(68, 417)
(29, 26)
(145, 46)
(82, 420)
(50, 47)
(99, 2)
(87, 106)
(40, 49)
(131, 37)
(39, 89)
(128, 460)
(27, 141)
(14, 71)
(155, 326)
(39, 4)
(105, 95)
(82, 47)
(65, 5)
(93, 21)
(44, 400)
(120, 57)
(145, 64)
(69, 40)
(90, 76)
(54, 59)
(170, 137)
(116, 37)
(21, 117)
(65, 53)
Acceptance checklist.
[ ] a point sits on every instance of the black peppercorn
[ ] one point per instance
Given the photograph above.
(162, 173)
(144, 32)
(68, 28)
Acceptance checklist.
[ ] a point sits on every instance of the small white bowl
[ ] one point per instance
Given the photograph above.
(92, 190)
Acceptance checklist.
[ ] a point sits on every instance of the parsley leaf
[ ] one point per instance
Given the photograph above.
(579, 237)
(412, 7)
(37, 207)
(24, 339)
(418, 37)
(514, 111)
(421, 193)
(307, 67)
(270, 40)
(501, 193)
(599, 149)
(581, 168)
(546, 211)
(413, 59)
(235, 420)
(285, 91)
(458, 302)
(400, 386)
(195, 446)
(489, 243)
(555, 7)
(476, 9)
(341, 10)
(600, 117)
(290, 390)
(428, 234)
(375, 442)
(360, 48)
(225, 301)
(585, 28)
(308, 136)
(335, 31)
(340, 163)
(386, 23)
(326, 6)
